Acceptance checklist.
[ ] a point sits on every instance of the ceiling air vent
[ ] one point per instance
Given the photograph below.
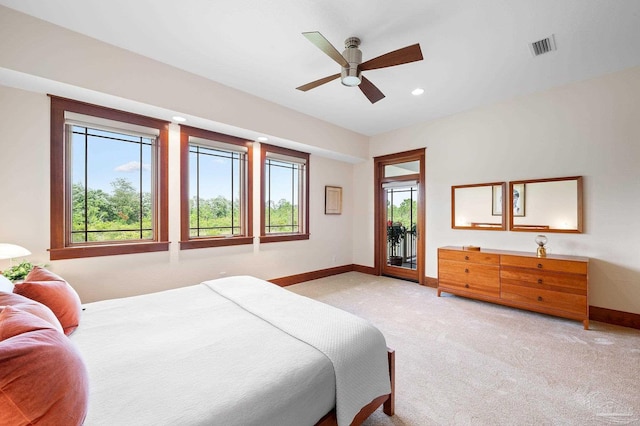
(543, 46)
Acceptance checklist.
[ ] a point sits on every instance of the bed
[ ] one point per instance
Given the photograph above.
(232, 351)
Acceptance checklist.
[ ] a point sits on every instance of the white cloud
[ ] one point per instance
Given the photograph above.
(131, 166)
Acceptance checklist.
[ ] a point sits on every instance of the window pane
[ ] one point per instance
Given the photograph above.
(402, 169)
(215, 192)
(147, 188)
(283, 185)
(112, 186)
(83, 209)
(78, 184)
(401, 217)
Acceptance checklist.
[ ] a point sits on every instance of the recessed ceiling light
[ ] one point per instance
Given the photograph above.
(179, 119)
(262, 139)
(417, 92)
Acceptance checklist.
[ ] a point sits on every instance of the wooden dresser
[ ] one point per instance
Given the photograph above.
(555, 285)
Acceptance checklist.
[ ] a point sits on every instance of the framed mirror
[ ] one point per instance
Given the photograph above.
(546, 205)
(480, 206)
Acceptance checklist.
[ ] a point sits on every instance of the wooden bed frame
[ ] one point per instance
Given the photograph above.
(388, 400)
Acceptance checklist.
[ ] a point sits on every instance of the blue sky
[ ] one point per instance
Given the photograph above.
(215, 173)
(109, 160)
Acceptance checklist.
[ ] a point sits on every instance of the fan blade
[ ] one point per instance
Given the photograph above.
(317, 83)
(323, 44)
(370, 90)
(397, 57)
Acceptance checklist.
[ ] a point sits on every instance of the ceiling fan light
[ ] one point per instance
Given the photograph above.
(350, 76)
(351, 80)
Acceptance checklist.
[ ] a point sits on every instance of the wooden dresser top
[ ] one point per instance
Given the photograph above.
(521, 253)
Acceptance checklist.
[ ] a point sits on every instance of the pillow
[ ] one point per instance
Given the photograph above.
(49, 289)
(43, 379)
(5, 284)
(14, 321)
(31, 306)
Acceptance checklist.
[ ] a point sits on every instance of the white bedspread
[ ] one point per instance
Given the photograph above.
(356, 349)
(194, 356)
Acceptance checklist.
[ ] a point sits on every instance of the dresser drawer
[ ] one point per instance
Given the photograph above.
(572, 283)
(469, 256)
(469, 277)
(553, 300)
(482, 287)
(544, 264)
(467, 272)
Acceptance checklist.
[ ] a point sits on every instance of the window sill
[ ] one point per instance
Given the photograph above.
(77, 252)
(214, 242)
(274, 238)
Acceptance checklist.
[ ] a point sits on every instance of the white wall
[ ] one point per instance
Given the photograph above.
(590, 128)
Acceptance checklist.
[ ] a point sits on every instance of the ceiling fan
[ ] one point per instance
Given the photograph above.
(352, 65)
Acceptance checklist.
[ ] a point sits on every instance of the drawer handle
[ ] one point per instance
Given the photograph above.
(466, 258)
(539, 280)
(466, 286)
(466, 270)
(539, 298)
(539, 265)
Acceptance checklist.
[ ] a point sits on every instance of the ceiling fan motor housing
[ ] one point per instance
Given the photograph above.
(351, 76)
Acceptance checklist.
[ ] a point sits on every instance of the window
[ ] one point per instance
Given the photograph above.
(108, 181)
(216, 200)
(285, 189)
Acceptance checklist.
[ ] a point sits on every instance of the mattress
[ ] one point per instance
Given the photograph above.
(234, 351)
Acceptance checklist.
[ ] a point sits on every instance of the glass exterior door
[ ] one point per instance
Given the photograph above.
(399, 215)
(402, 228)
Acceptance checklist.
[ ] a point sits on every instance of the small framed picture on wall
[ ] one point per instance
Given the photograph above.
(332, 200)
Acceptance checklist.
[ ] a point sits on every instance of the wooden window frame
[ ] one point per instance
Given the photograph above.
(186, 241)
(60, 248)
(294, 236)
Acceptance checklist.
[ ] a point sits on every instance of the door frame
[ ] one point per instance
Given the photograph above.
(380, 226)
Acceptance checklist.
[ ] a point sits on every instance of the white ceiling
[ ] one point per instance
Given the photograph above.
(476, 51)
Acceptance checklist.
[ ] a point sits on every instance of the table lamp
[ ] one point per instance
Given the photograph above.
(11, 251)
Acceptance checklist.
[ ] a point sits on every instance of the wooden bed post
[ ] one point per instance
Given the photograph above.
(389, 406)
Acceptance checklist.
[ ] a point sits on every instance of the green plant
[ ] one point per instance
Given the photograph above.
(19, 271)
(395, 233)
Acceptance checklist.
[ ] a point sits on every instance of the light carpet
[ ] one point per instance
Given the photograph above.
(466, 362)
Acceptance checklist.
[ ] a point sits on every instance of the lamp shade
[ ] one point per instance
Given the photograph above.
(10, 251)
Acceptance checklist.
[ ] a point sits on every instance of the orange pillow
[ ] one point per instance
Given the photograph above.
(49, 289)
(43, 379)
(31, 306)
